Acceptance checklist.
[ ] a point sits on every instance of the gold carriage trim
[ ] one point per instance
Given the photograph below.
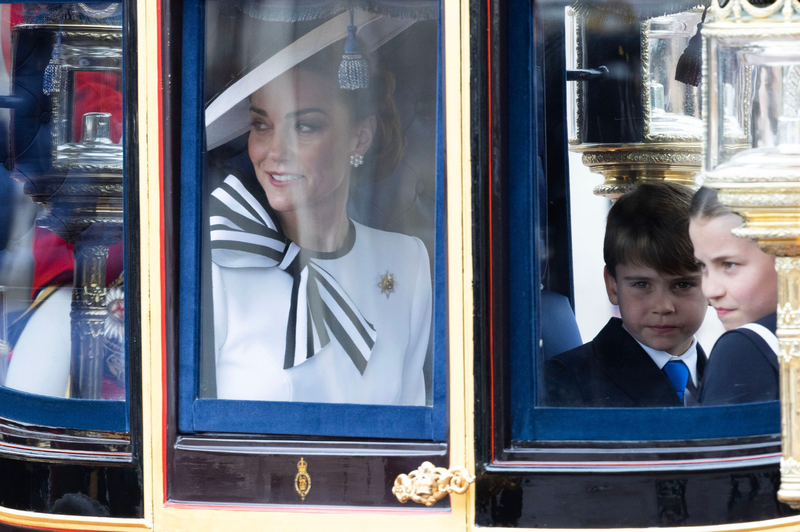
(429, 483)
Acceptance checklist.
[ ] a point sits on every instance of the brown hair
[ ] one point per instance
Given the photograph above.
(705, 204)
(649, 226)
(387, 147)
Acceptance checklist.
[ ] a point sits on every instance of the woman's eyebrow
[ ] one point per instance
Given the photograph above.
(258, 111)
(305, 111)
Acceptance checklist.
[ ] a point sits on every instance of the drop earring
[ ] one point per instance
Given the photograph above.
(356, 160)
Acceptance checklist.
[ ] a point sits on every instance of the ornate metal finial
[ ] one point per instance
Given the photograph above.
(429, 483)
(743, 10)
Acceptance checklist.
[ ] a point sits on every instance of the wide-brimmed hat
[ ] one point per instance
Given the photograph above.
(228, 115)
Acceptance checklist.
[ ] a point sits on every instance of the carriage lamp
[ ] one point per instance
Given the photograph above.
(751, 154)
(66, 103)
(632, 120)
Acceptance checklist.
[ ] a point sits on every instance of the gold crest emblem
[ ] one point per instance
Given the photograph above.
(387, 283)
(302, 480)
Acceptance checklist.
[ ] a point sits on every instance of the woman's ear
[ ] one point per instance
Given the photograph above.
(365, 134)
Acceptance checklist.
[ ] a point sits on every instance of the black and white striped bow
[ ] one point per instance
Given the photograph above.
(245, 235)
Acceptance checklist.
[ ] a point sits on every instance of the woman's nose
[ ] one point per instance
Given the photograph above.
(280, 147)
(712, 288)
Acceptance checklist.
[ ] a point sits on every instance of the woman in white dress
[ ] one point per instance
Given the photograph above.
(309, 305)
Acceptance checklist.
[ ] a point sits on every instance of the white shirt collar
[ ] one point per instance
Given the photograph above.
(662, 357)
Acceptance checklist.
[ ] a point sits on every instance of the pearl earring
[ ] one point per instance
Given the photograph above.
(356, 160)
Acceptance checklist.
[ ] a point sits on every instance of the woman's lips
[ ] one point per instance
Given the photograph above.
(282, 179)
(722, 312)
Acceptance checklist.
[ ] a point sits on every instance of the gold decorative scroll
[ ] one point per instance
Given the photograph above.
(429, 484)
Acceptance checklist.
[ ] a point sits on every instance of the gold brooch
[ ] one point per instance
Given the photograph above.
(302, 480)
(387, 283)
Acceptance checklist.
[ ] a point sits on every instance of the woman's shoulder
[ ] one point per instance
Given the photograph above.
(389, 243)
(741, 345)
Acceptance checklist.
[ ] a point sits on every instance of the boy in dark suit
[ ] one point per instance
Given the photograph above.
(649, 357)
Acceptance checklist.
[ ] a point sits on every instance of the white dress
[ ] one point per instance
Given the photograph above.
(41, 359)
(251, 309)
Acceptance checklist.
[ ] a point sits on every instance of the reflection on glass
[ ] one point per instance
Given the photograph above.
(320, 204)
(61, 254)
(674, 106)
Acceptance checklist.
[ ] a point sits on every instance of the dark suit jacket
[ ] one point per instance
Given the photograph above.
(742, 368)
(611, 370)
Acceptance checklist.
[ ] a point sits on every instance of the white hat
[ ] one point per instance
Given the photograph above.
(228, 116)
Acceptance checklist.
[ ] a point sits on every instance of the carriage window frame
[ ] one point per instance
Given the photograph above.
(111, 416)
(514, 431)
(202, 415)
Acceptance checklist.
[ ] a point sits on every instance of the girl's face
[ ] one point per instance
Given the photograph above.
(739, 279)
(301, 141)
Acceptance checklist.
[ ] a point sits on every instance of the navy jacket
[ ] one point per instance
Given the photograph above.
(613, 371)
(742, 368)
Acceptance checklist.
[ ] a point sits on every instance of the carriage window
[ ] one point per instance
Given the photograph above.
(660, 306)
(62, 246)
(318, 219)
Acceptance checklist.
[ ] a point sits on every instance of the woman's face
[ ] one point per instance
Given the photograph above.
(739, 279)
(301, 141)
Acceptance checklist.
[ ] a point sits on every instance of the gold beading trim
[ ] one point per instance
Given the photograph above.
(576, 140)
(645, 156)
(763, 197)
(755, 30)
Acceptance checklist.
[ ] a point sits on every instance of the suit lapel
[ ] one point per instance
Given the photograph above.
(625, 362)
(702, 360)
(693, 397)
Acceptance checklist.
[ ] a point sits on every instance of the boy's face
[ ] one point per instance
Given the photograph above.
(659, 310)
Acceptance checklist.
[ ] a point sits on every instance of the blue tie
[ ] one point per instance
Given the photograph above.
(678, 374)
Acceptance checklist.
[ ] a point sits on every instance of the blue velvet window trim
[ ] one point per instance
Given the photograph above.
(654, 424)
(262, 417)
(315, 419)
(78, 414)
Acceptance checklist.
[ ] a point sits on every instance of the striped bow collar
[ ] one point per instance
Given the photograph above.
(245, 234)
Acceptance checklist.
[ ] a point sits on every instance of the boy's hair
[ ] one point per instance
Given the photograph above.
(705, 204)
(649, 226)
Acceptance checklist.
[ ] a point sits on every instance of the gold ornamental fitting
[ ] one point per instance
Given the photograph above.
(429, 483)
(624, 165)
(769, 202)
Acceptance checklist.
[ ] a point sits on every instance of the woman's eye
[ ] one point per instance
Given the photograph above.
(729, 265)
(684, 285)
(259, 125)
(305, 127)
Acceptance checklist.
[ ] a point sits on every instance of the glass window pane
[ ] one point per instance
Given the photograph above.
(62, 291)
(320, 203)
(647, 313)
